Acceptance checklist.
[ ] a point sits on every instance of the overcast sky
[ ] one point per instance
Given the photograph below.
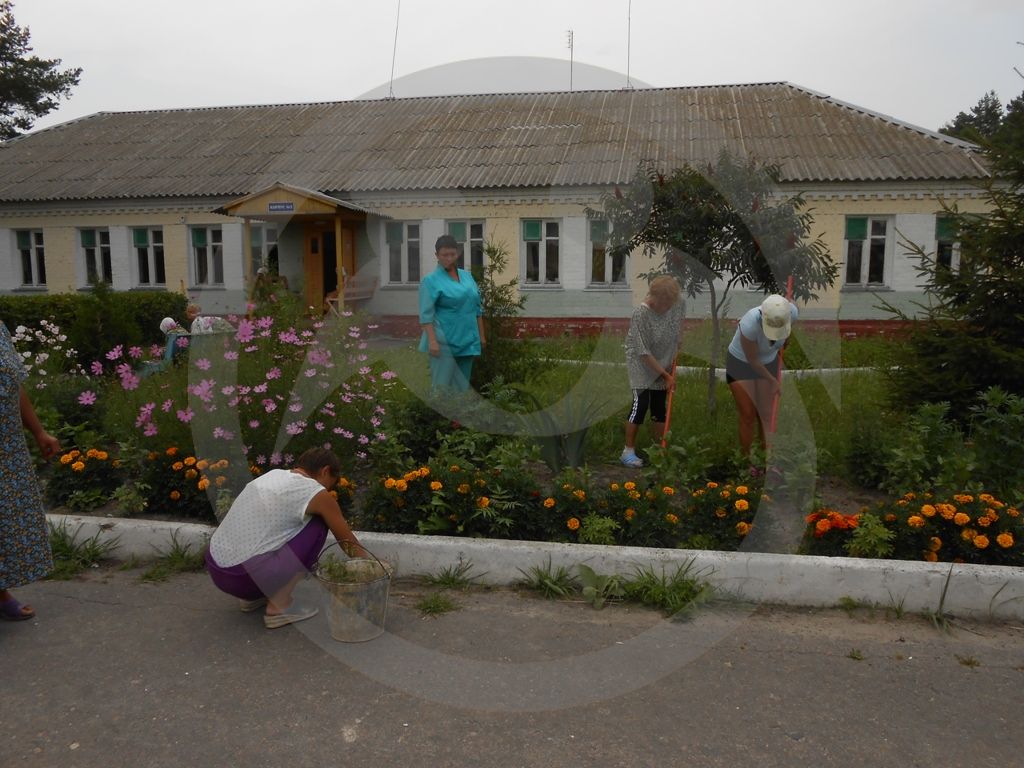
(920, 61)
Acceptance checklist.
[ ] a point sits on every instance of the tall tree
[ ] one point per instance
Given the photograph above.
(724, 226)
(30, 87)
(967, 337)
(981, 123)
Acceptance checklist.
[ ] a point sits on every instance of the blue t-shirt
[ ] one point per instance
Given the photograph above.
(750, 327)
(453, 307)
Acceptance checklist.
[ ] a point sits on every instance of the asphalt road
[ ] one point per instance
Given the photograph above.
(115, 672)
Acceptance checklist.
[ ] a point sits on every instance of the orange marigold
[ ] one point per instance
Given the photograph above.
(172, 451)
(463, 488)
(1005, 540)
(630, 513)
(401, 486)
(549, 502)
(720, 512)
(712, 485)
(629, 486)
(946, 511)
(203, 484)
(191, 474)
(572, 523)
(668, 490)
(928, 510)
(177, 466)
(963, 498)
(961, 518)
(175, 495)
(915, 521)
(742, 505)
(890, 518)
(742, 528)
(435, 485)
(930, 556)
(980, 541)
(671, 519)
(614, 486)
(483, 502)
(934, 543)
(580, 494)
(742, 490)
(190, 460)
(389, 483)
(78, 466)
(967, 534)
(822, 527)
(66, 459)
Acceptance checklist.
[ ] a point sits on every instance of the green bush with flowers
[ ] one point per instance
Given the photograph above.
(960, 528)
(84, 480)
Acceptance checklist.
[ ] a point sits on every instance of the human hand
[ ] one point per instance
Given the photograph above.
(48, 444)
(434, 349)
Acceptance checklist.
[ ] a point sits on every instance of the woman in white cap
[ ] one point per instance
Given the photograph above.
(752, 365)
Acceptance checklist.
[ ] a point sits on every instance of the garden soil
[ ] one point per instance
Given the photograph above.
(117, 672)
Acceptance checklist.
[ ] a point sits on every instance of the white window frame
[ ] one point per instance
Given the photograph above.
(154, 254)
(597, 252)
(474, 235)
(99, 253)
(945, 246)
(409, 252)
(268, 234)
(31, 257)
(871, 239)
(543, 256)
(207, 261)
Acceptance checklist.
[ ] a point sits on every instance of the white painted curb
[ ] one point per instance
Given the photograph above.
(987, 592)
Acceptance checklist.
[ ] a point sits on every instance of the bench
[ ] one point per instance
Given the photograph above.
(357, 289)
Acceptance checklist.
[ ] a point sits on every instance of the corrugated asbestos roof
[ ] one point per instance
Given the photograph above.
(470, 142)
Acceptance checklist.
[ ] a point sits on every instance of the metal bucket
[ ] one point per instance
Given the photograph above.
(357, 602)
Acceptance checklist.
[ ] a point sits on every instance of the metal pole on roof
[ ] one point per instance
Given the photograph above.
(394, 53)
(629, 39)
(570, 60)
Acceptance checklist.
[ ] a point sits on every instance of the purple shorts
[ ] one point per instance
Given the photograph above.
(265, 574)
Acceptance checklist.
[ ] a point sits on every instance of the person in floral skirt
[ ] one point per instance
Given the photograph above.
(24, 538)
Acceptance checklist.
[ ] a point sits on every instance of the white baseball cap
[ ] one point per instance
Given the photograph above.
(776, 318)
(168, 324)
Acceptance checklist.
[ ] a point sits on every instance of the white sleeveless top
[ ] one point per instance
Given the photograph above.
(268, 512)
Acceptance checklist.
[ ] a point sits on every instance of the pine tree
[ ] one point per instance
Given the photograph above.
(30, 87)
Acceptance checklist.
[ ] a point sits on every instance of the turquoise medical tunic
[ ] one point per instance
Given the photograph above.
(453, 307)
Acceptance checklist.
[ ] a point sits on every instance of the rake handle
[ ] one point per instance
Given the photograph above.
(774, 420)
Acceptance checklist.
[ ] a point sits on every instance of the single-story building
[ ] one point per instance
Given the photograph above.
(351, 195)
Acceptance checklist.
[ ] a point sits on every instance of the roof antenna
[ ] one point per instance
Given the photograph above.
(629, 37)
(394, 52)
(570, 59)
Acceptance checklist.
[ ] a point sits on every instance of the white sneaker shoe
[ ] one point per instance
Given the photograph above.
(631, 460)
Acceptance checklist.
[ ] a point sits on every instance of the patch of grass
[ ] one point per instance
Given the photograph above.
(967, 661)
(131, 563)
(435, 604)
(848, 604)
(71, 556)
(455, 576)
(675, 593)
(896, 606)
(855, 654)
(551, 582)
(180, 558)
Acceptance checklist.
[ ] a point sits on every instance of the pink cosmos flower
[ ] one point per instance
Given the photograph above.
(115, 353)
(135, 352)
(274, 373)
(150, 429)
(186, 415)
(203, 364)
(87, 398)
(166, 406)
(231, 355)
(130, 382)
(244, 333)
(96, 368)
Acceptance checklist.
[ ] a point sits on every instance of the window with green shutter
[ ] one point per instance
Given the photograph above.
(944, 228)
(598, 230)
(395, 232)
(140, 238)
(532, 230)
(856, 227)
(24, 240)
(199, 237)
(88, 238)
(457, 229)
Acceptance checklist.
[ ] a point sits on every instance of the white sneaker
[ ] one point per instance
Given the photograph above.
(631, 460)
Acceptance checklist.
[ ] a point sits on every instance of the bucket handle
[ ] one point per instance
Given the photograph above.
(384, 568)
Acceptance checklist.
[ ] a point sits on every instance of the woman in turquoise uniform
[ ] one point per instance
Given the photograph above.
(451, 317)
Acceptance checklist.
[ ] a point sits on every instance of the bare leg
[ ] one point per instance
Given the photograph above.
(631, 432)
(279, 601)
(26, 610)
(743, 395)
(764, 409)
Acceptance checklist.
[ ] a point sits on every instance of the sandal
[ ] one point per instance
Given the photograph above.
(12, 610)
(293, 613)
(248, 606)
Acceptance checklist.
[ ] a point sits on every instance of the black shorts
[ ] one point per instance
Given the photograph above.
(738, 370)
(655, 399)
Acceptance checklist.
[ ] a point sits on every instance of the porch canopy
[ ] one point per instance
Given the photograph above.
(329, 233)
